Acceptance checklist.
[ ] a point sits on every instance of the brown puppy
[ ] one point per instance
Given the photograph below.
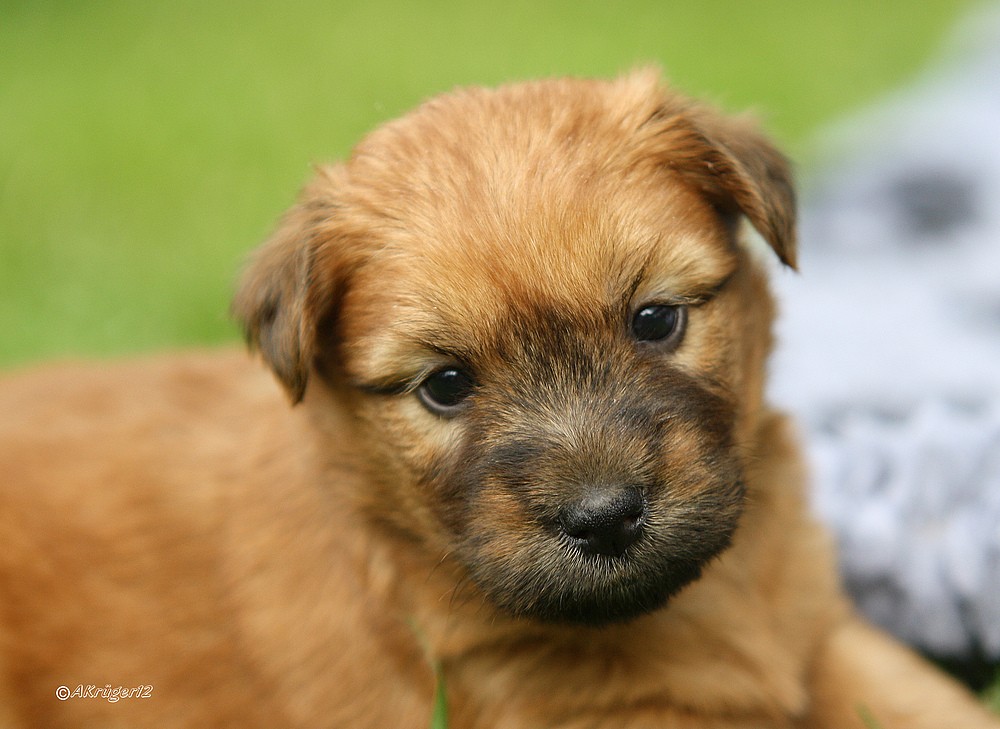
(531, 455)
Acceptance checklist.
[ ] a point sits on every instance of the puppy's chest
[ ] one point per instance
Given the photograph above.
(540, 687)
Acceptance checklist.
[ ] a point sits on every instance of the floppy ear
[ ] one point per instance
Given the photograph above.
(289, 285)
(738, 169)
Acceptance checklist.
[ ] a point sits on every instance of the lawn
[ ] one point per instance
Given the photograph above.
(146, 147)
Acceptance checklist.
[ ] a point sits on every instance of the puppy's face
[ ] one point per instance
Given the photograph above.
(534, 306)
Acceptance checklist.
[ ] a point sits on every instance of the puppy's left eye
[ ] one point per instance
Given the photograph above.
(445, 391)
(659, 323)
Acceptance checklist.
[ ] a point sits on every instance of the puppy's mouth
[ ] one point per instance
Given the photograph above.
(609, 558)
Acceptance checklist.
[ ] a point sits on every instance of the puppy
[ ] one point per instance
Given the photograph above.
(530, 469)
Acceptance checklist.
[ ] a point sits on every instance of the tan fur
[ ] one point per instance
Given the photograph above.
(174, 523)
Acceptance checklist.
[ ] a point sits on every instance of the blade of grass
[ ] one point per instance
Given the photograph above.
(439, 712)
(992, 694)
(439, 717)
(868, 718)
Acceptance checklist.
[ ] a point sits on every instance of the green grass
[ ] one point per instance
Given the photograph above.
(992, 695)
(868, 718)
(439, 714)
(146, 147)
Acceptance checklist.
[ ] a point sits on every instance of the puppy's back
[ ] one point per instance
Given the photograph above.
(80, 441)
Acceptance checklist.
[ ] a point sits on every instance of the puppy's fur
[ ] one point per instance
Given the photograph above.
(174, 523)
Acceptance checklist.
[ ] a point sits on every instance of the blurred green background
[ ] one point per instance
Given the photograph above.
(146, 147)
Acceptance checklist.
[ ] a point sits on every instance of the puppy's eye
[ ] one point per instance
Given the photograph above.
(659, 323)
(444, 392)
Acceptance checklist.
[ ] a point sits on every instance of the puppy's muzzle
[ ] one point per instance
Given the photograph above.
(606, 521)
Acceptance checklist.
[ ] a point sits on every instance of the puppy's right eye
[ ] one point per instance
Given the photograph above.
(444, 393)
(659, 323)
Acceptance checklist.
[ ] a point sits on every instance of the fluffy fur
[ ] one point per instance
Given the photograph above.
(175, 523)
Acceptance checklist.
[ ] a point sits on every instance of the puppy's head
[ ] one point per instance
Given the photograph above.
(535, 309)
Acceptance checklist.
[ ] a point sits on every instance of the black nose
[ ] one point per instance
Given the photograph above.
(606, 521)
